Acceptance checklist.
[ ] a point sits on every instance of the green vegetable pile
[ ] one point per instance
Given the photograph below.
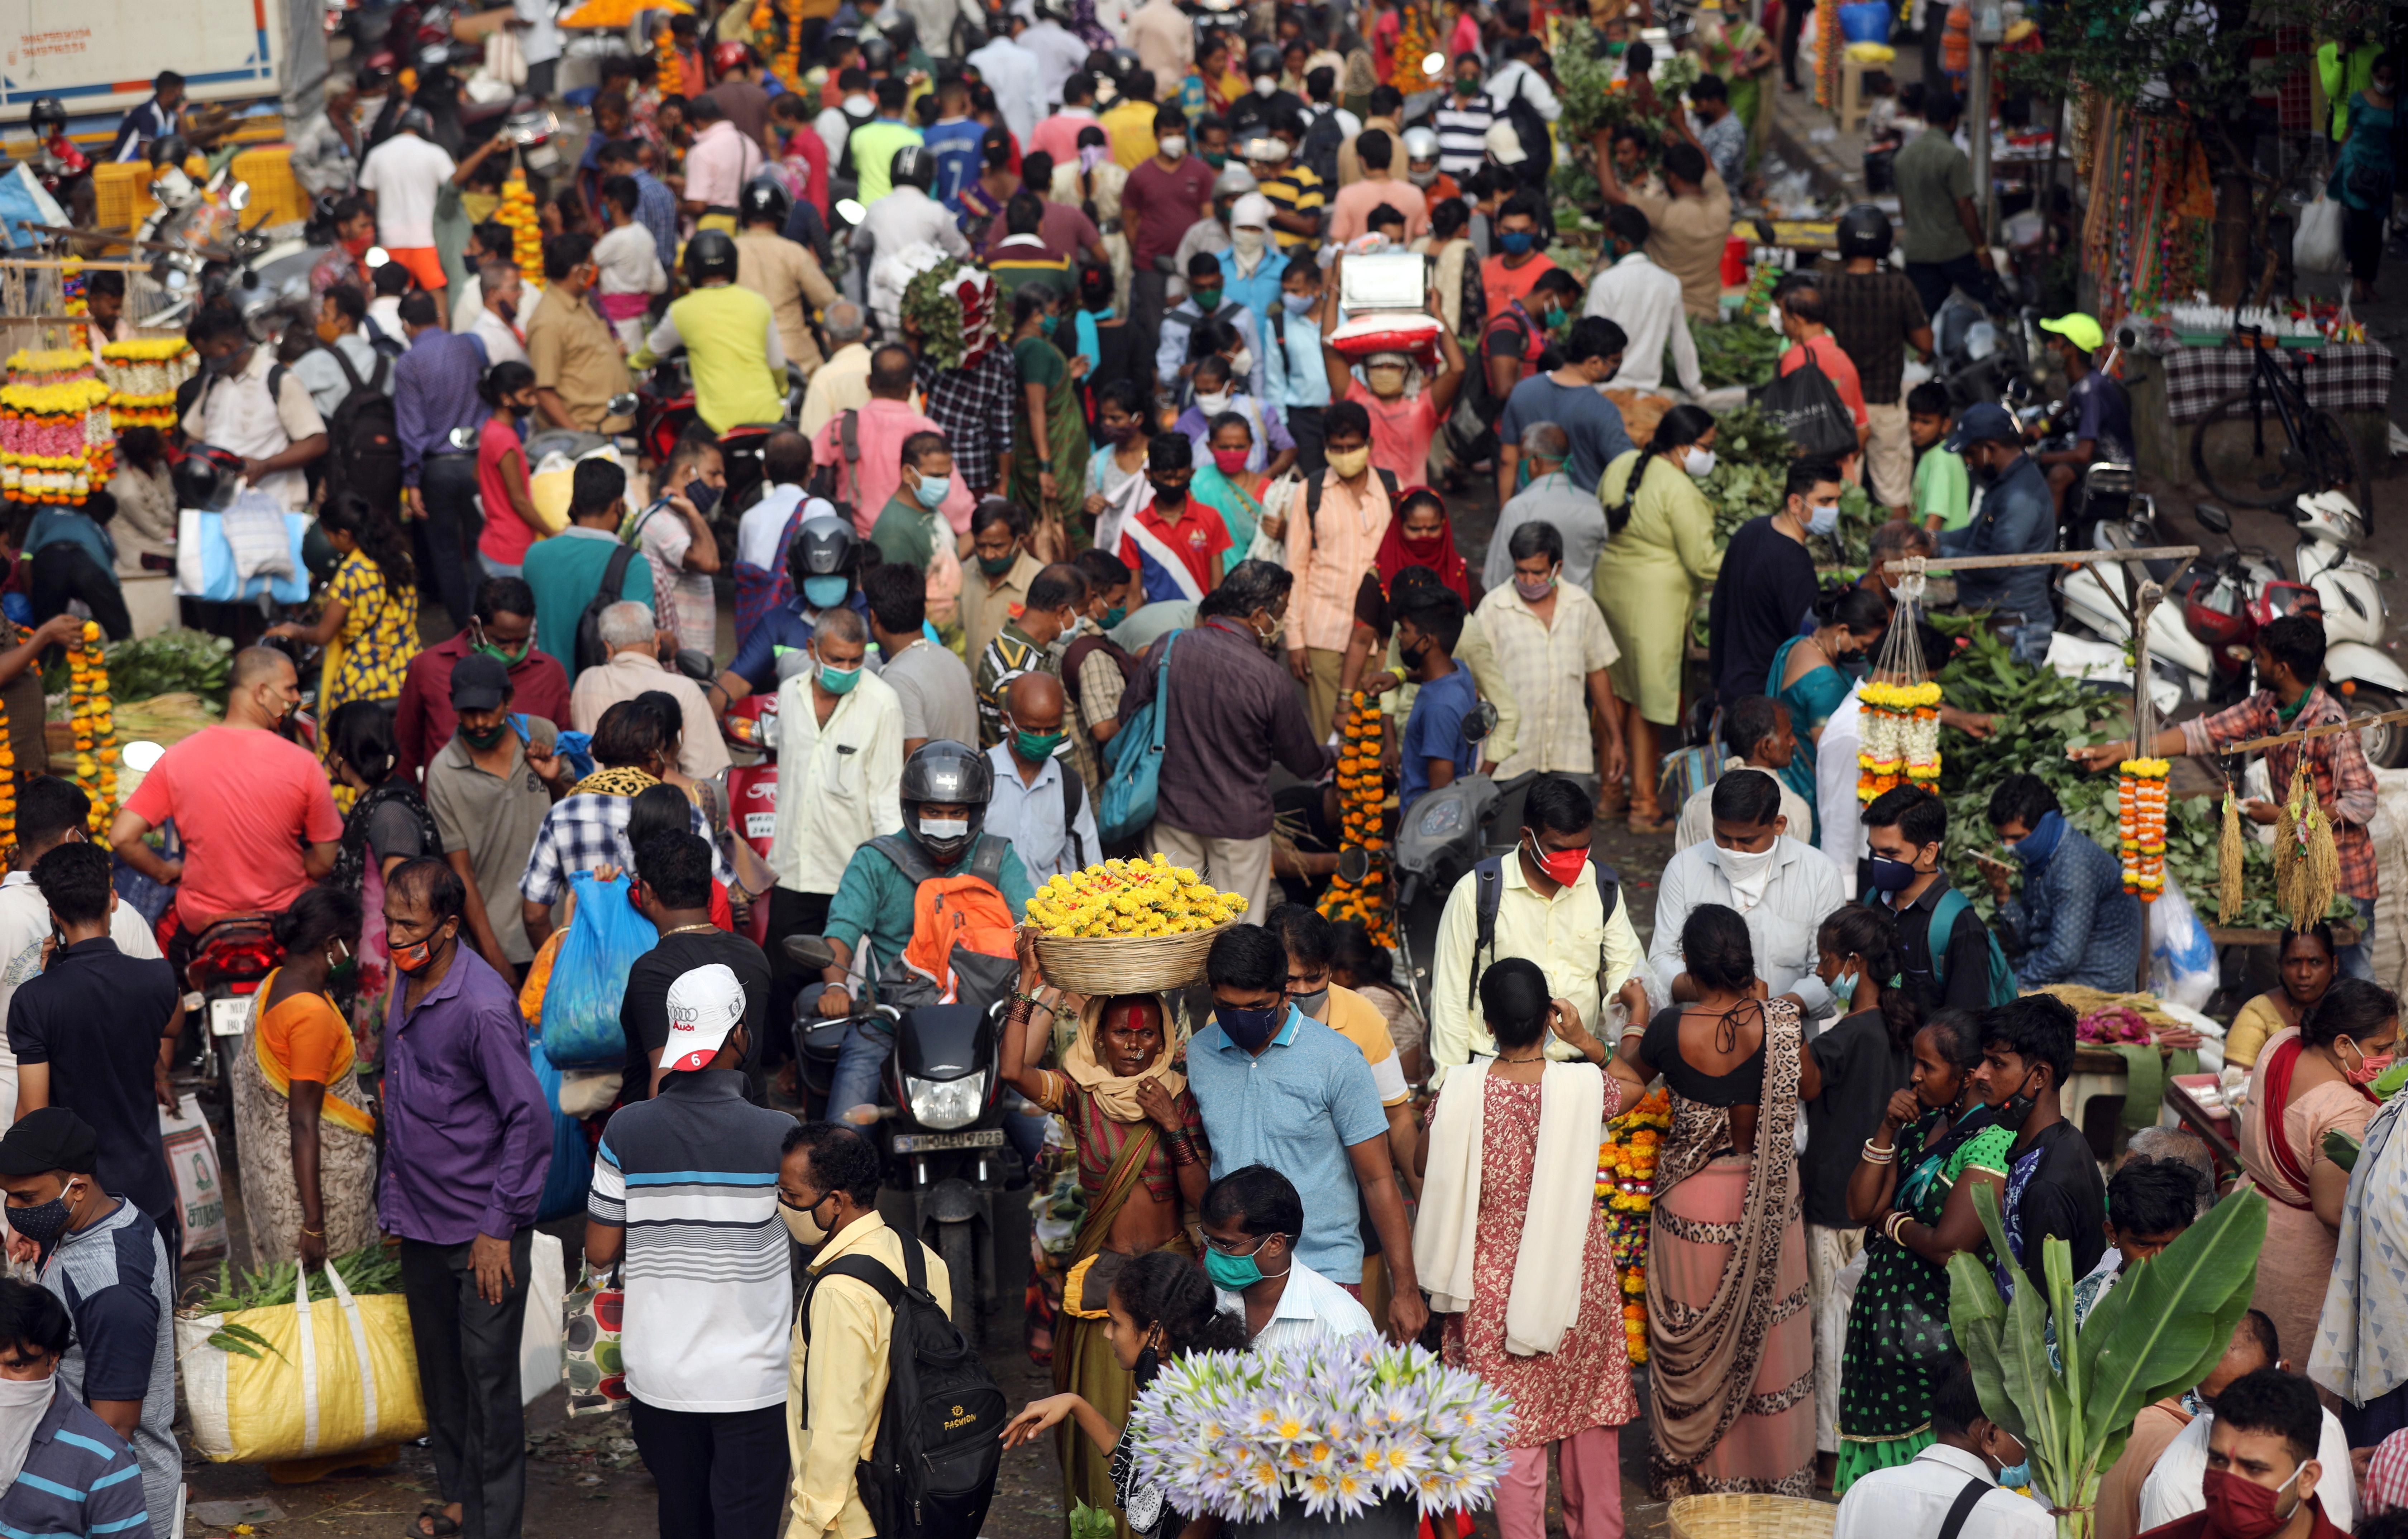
(1739, 353)
(1593, 99)
(932, 311)
(2040, 714)
(177, 661)
(371, 1269)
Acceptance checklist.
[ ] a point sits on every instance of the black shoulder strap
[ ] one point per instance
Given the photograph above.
(384, 367)
(1074, 794)
(849, 436)
(1312, 504)
(351, 375)
(275, 386)
(614, 577)
(909, 857)
(987, 860)
(1967, 1500)
(1388, 481)
(1489, 879)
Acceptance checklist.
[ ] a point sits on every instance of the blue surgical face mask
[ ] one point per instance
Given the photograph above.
(2017, 1476)
(1516, 242)
(825, 592)
(1234, 1274)
(932, 490)
(1299, 304)
(1822, 519)
(1249, 1028)
(1843, 988)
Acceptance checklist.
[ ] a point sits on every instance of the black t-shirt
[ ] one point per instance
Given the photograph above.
(2053, 1188)
(1861, 1071)
(96, 1018)
(644, 1009)
(1766, 588)
(1966, 964)
(1661, 1049)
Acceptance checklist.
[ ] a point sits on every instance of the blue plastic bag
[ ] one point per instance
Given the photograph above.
(580, 1006)
(572, 1162)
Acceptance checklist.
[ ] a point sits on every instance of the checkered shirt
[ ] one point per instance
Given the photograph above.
(2386, 1477)
(2340, 377)
(1871, 314)
(2344, 784)
(972, 407)
(587, 829)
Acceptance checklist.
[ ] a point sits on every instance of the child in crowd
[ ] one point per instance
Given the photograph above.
(629, 262)
(1942, 493)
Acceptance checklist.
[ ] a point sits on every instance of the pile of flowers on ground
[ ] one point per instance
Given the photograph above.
(1336, 1430)
(1362, 801)
(1147, 897)
(2140, 825)
(142, 376)
(1900, 736)
(1626, 1187)
(95, 723)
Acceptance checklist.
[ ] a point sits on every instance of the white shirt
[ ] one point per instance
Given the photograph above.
(238, 413)
(1644, 300)
(757, 532)
(838, 786)
(628, 261)
(1915, 1498)
(2174, 1488)
(1800, 895)
(385, 314)
(1058, 56)
(1519, 79)
(24, 925)
(1568, 935)
(1014, 73)
(907, 215)
(1839, 817)
(1030, 816)
(502, 344)
(539, 43)
(833, 125)
(1697, 824)
(405, 173)
(1311, 1308)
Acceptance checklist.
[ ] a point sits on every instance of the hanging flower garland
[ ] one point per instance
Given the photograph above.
(142, 376)
(71, 288)
(8, 776)
(1901, 736)
(49, 452)
(1626, 1189)
(1362, 799)
(517, 214)
(95, 725)
(669, 74)
(2140, 825)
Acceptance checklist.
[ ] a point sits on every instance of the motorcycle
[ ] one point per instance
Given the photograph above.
(231, 958)
(1982, 355)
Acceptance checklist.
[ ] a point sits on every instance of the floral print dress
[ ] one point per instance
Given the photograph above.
(368, 656)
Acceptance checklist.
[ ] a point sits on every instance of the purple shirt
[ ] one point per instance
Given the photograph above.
(434, 390)
(467, 1129)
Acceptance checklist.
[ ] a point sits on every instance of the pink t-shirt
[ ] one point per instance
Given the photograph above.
(245, 800)
(507, 535)
(1350, 210)
(1836, 365)
(1401, 431)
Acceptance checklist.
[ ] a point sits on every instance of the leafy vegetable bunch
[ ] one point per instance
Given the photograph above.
(371, 1269)
(1735, 353)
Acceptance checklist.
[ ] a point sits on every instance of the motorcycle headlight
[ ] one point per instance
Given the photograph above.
(946, 1103)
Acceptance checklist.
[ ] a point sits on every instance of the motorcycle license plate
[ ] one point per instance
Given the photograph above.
(928, 1143)
(760, 825)
(229, 1017)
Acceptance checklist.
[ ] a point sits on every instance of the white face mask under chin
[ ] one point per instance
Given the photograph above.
(1749, 871)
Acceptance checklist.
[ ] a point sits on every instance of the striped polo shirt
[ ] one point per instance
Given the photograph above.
(1296, 189)
(79, 1479)
(692, 1176)
(115, 1279)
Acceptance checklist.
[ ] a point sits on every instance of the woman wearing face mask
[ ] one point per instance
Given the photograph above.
(1659, 551)
(1422, 535)
(1223, 482)
(1091, 183)
(304, 1134)
(1809, 677)
(1049, 468)
(1738, 1067)
(1116, 484)
(1512, 1247)
(1160, 1307)
(1099, 331)
(2312, 1079)
(2307, 962)
(1141, 1165)
(1912, 1185)
(1220, 392)
(512, 522)
(368, 624)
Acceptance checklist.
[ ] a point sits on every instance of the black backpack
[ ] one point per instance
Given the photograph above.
(363, 435)
(1531, 129)
(1313, 497)
(931, 1470)
(591, 653)
(1490, 876)
(1319, 150)
(840, 483)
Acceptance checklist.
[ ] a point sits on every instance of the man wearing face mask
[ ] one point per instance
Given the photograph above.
(674, 534)
(65, 1470)
(1421, 168)
(1054, 611)
(355, 233)
(2027, 1051)
(1250, 272)
(2073, 922)
(1767, 585)
(488, 791)
(2268, 1473)
(2016, 517)
(501, 625)
(1784, 888)
(1175, 544)
(1166, 192)
(1040, 804)
(1962, 1485)
(1206, 300)
(911, 523)
(2173, 1495)
(252, 406)
(1267, 101)
(1947, 956)
(103, 1259)
(497, 321)
(706, 1357)
(1233, 712)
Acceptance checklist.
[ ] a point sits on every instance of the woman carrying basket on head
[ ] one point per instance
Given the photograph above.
(1141, 1165)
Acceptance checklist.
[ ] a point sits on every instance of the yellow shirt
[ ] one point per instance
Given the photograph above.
(1130, 127)
(2258, 1020)
(1566, 936)
(1360, 1022)
(843, 1368)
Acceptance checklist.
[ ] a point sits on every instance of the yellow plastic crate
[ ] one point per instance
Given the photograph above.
(275, 199)
(123, 189)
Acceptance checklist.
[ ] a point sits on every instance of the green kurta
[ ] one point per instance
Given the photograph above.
(1040, 362)
(1648, 578)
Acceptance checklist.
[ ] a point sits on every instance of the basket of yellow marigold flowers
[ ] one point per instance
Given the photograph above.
(1128, 927)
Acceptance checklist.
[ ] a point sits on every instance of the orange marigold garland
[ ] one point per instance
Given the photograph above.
(7, 781)
(669, 74)
(95, 723)
(517, 214)
(2140, 825)
(1626, 1189)
(1363, 820)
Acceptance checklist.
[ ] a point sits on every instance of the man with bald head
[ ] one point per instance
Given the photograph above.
(251, 807)
(1040, 804)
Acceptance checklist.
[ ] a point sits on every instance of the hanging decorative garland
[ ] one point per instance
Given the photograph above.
(142, 376)
(517, 214)
(71, 288)
(669, 74)
(7, 778)
(1362, 799)
(2307, 866)
(1626, 1189)
(95, 723)
(2140, 825)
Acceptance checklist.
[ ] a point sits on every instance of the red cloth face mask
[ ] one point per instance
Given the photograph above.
(359, 248)
(1425, 553)
(2237, 1509)
(1562, 866)
(1231, 461)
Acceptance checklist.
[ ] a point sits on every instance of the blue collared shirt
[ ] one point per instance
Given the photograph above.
(2017, 518)
(434, 390)
(1291, 366)
(1297, 1106)
(656, 211)
(467, 1129)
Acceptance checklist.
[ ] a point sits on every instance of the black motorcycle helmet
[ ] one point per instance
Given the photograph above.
(1261, 59)
(168, 150)
(416, 120)
(948, 774)
(48, 115)
(1864, 231)
(206, 477)
(824, 546)
(763, 201)
(711, 254)
(914, 166)
(877, 55)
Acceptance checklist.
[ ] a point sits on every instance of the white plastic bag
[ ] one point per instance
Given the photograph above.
(2182, 958)
(2315, 248)
(539, 1338)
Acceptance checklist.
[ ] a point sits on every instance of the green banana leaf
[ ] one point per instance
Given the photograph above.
(2166, 1323)
(2341, 1148)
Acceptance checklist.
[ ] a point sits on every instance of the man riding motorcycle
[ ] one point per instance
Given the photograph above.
(730, 338)
(823, 570)
(945, 791)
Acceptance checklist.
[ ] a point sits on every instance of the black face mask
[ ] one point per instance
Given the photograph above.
(1169, 494)
(2017, 1108)
(704, 496)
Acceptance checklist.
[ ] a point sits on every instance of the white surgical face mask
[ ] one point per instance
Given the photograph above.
(1748, 872)
(944, 827)
(1265, 85)
(1699, 462)
(1212, 403)
(1173, 146)
(1241, 366)
(1422, 178)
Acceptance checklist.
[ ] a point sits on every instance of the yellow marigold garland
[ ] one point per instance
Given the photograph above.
(142, 376)
(669, 73)
(1626, 1189)
(1363, 820)
(7, 778)
(71, 289)
(1899, 727)
(95, 723)
(56, 442)
(2140, 825)
(517, 214)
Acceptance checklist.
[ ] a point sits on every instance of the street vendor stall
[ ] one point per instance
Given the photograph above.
(2175, 385)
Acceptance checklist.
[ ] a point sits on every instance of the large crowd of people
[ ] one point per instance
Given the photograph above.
(1124, 471)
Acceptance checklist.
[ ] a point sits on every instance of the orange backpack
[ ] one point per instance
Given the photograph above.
(962, 928)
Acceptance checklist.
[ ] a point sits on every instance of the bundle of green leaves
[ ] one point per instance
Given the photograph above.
(1738, 352)
(935, 313)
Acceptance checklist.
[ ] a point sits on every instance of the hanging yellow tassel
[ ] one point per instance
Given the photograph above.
(2228, 852)
(2307, 866)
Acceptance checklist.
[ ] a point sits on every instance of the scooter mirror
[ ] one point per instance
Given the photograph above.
(696, 664)
(238, 196)
(2213, 518)
(1479, 721)
(622, 405)
(1353, 862)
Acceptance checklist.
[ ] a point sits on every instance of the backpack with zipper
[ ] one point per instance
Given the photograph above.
(1530, 128)
(832, 482)
(1133, 760)
(591, 652)
(364, 434)
(961, 944)
(931, 1470)
(2002, 981)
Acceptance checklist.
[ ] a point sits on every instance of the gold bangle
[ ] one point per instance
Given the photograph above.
(318, 1233)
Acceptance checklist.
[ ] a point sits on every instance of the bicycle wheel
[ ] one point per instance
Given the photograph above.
(2332, 460)
(2245, 454)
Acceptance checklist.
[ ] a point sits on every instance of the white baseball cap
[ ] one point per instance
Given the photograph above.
(1504, 143)
(704, 1005)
